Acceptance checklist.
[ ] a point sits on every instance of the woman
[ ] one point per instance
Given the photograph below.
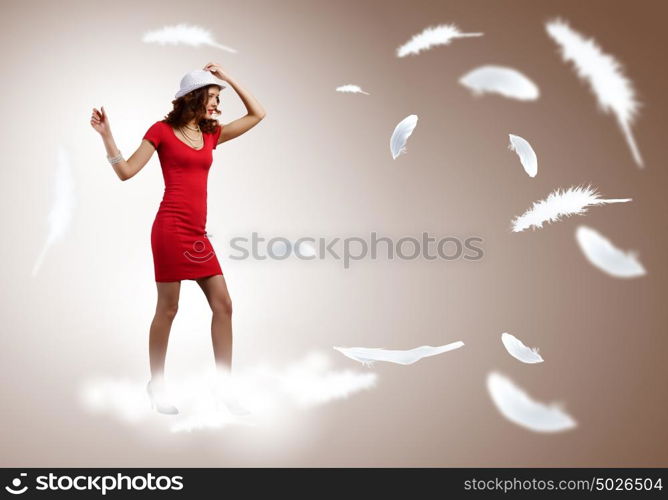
(181, 250)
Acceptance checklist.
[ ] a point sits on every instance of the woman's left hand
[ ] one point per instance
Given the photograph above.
(216, 70)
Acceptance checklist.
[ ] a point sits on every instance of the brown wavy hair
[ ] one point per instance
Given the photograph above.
(192, 105)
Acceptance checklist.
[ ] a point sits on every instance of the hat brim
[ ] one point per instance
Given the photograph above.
(181, 93)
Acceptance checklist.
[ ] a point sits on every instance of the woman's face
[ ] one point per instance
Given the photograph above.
(213, 100)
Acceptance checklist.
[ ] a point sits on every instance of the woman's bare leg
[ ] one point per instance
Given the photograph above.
(215, 289)
(165, 311)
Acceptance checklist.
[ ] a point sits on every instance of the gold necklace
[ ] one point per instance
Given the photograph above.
(201, 144)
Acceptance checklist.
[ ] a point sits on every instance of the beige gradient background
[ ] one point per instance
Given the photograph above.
(319, 165)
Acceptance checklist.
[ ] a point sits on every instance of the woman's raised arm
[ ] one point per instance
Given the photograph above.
(255, 110)
(125, 169)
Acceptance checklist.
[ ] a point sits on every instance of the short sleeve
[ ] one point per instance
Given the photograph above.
(154, 134)
(216, 136)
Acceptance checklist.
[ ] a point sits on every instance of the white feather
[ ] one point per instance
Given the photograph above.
(612, 89)
(351, 88)
(572, 201)
(401, 133)
(518, 350)
(605, 256)
(62, 208)
(305, 249)
(519, 408)
(184, 34)
(526, 153)
(442, 34)
(501, 80)
(368, 355)
(279, 249)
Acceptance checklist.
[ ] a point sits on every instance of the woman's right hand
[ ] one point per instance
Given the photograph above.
(100, 122)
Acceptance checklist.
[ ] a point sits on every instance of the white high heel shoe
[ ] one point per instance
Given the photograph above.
(158, 402)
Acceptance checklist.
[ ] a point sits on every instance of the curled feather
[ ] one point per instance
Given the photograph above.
(442, 34)
(526, 153)
(519, 408)
(305, 249)
(183, 34)
(401, 133)
(368, 355)
(62, 207)
(601, 253)
(603, 72)
(574, 200)
(502, 80)
(351, 88)
(518, 350)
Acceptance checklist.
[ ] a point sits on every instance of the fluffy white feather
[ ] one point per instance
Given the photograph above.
(305, 249)
(518, 350)
(526, 153)
(519, 408)
(574, 200)
(401, 133)
(601, 253)
(442, 34)
(500, 80)
(368, 355)
(351, 88)
(279, 249)
(62, 208)
(603, 72)
(184, 34)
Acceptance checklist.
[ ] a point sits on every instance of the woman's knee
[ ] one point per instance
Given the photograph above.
(167, 310)
(168, 299)
(222, 306)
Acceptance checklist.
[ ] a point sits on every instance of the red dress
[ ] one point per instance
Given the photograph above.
(181, 248)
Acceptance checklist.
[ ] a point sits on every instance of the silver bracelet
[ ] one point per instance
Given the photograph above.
(115, 159)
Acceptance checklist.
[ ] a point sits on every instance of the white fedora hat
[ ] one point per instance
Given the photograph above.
(197, 79)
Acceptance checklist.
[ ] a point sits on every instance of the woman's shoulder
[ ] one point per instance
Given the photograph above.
(162, 125)
(158, 124)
